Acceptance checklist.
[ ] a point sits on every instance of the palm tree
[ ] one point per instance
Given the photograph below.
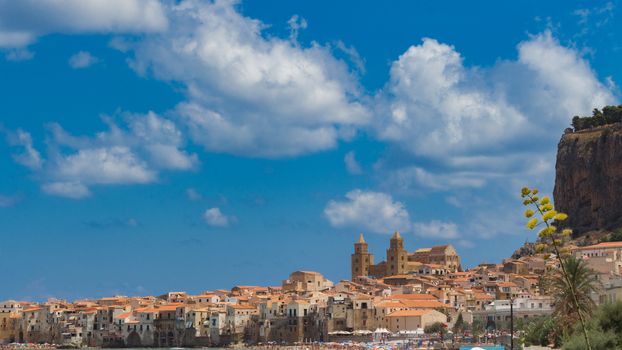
(574, 299)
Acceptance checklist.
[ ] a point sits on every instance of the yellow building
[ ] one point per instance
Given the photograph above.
(399, 261)
(410, 320)
(444, 255)
(306, 281)
(361, 259)
(604, 258)
(7, 327)
(397, 256)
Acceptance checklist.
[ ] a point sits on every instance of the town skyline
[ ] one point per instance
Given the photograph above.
(149, 146)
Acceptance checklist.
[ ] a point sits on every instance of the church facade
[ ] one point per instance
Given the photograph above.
(399, 261)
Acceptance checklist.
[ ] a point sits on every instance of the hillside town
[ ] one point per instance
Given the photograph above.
(396, 298)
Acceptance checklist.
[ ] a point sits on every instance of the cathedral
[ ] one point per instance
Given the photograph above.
(399, 261)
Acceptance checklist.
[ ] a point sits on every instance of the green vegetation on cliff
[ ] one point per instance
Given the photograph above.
(609, 115)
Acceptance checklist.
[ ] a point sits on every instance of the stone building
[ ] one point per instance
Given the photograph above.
(413, 319)
(604, 258)
(362, 259)
(397, 256)
(399, 261)
(306, 281)
(444, 255)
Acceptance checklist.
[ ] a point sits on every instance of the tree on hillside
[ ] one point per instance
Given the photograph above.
(604, 330)
(610, 319)
(608, 115)
(436, 327)
(459, 324)
(615, 236)
(542, 331)
(579, 285)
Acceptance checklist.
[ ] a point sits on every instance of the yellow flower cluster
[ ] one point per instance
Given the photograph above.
(549, 234)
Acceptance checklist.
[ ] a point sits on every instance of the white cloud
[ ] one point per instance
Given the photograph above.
(29, 157)
(214, 217)
(465, 243)
(437, 107)
(436, 229)
(594, 18)
(373, 211)
(477, 126)
(250, 94)
(104, 165)
(82, 59)
(9, 201)
(17, 55)
(133, 153)
(409, 177)
(296, 23)
(352, 165)
(193, 194)
(378, 212)
(21, 22)
(548, 74)
(162, 140)
(74, 190)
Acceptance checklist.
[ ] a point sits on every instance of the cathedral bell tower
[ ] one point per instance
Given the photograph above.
(361, 259)
(397, 256)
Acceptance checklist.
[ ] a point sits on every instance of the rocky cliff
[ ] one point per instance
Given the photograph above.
(588, 181)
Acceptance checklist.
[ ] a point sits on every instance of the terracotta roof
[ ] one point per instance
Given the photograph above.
(423, 250)
(37, 308)
(398, 276)
(388, 303)
(167, 308)
(434, 266)
(483, 296)
(237, 306)
(425, 304)
(147, 310)
(506, 284)
(413, 297)
(251, 287)
(124, 315)
(603, 245)
(407, 313)
(439, 248)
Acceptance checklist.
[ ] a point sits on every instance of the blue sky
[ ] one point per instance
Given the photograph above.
(151, 146)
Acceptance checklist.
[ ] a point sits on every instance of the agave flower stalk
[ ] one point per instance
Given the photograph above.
(551, 237)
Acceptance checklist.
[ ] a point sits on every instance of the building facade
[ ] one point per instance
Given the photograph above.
(400, 262)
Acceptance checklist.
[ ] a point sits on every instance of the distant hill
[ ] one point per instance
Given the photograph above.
(588, 176)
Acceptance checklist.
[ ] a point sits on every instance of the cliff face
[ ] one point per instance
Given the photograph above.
(588, 181)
